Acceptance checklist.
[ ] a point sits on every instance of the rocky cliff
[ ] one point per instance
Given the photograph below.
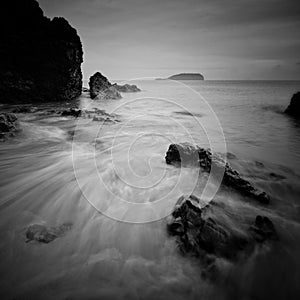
(294, 107)
(40, 59)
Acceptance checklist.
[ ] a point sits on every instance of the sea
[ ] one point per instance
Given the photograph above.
(109, 180)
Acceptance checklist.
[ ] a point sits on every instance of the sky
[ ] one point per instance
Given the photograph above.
(221, 39)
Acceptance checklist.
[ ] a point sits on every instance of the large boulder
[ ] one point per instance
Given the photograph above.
(127, 88)
(186, 154)
(214, 231)
(8, 125)
(101, 88)
(294, 107)
(40, 59)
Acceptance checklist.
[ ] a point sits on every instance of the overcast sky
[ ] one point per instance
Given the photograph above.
(222, 39)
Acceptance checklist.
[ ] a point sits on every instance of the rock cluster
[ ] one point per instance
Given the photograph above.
(127, 88)
(186, 154)
(294, 107)
(8, 125)
(101, 88)
(40, 58)
(210, 232)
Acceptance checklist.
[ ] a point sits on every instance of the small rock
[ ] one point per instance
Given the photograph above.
(263, 229)
(8, 124)
(43, 234)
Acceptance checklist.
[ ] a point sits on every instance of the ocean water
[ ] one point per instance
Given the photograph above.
(111, 182)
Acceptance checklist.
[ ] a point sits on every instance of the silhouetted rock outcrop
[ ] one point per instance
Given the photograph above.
(101, 88)
(8, 125)
(40, 59)
(127, 88)
(186, 154)
(187, 76)
(294, 108)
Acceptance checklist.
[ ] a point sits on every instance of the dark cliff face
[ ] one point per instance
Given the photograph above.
(40, 59)
(294, 107)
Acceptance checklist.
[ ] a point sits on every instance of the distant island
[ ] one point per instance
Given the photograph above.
(184, 76)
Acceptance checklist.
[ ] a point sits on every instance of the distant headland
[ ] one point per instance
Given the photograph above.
(184, 76)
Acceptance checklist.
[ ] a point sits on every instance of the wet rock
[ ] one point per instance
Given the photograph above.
(212, 231)
(188, 155)
(126, 88)
(43, 234)
(200, 233)
(40, 58)
(263, 229)
(294, 107)
(8, 125)
(72, 112)
(85, 90)
(101, 88)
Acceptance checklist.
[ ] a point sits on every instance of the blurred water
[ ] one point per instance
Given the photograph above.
(59, 169)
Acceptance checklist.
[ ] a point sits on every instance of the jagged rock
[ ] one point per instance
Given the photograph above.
(72, 112)
(127, 88)
(294, 107)
(189, 155)
(8, 125)
(211, 232)
(43, 234)
(101, 88)
(40, 59)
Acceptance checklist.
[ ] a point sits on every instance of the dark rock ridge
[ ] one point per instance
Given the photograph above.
(187, 76)
(40, 59)
(8, 125)
(186, 154)
(211, 232)
(127, 88)
(101, 88)
(44, 234)
(294, 108)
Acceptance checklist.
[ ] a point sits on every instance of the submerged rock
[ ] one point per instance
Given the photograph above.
(72, 112)
(101, 88)
(127, 88)
(24, 109)
(8, 125)
(43, 234)
(294, 107)
(263, 229)
(189, 155)
(40, 58)
(214, 232)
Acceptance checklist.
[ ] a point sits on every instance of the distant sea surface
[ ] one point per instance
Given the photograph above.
(59, 169)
